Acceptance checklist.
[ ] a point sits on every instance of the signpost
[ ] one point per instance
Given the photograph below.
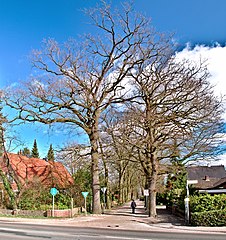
(53, 192)
(186, 200)
(85, 194)
(146, 194)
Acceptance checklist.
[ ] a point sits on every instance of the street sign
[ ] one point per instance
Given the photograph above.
(146, 192)
(85, 194)
(53, 191)
(103, 189)
(192, 181)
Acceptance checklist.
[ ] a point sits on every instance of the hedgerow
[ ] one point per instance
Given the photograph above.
(210, 218)
(208, 210)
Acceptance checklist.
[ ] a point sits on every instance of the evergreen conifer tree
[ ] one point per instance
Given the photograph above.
(34, 151)
(26, 152)
(50, 155)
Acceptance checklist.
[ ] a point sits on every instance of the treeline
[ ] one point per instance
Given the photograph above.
(34, 152)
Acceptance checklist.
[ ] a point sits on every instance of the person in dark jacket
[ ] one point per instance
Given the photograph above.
(133, 206)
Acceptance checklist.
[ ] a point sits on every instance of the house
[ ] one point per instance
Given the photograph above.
(28, 170)
(211, 179)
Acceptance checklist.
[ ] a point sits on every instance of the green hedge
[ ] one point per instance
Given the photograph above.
(210, 218)
(207, 202)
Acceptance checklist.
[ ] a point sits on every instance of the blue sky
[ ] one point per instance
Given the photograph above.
(25, 23)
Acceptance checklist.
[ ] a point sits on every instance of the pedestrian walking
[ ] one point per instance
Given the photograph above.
(133, 206)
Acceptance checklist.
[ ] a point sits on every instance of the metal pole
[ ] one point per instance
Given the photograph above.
(186, 202)
(72, 206)
(104, 200)
(53, 207)
(85, 207)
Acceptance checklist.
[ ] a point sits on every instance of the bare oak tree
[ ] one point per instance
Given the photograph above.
(176, 114)
(75, 82)
(119, 154)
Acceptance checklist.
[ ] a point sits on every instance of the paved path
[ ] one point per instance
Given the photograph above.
(122, 218)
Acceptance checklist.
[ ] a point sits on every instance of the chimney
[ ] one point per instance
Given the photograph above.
(207, 178)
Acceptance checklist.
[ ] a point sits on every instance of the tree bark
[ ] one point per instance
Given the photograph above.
(152, 180)
(96, 206)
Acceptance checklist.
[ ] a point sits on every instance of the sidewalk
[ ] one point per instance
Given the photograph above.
(122, 218)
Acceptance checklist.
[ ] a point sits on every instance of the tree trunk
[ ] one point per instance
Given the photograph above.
(107, 194)
(106, 179)
(96, 206)
(120, 188)
(152, 180)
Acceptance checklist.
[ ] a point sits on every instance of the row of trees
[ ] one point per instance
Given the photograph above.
(34, 152)
(140, 107)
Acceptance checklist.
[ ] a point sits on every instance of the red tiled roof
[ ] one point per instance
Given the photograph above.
(51, 174)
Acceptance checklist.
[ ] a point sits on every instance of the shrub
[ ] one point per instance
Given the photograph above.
(208, 210)
(207, 202)
(34, 199)
(210, 218)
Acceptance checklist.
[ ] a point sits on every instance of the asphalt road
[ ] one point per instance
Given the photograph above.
(14, 231)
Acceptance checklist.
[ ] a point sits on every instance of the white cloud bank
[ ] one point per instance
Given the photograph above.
(216, 61)
(215, 57)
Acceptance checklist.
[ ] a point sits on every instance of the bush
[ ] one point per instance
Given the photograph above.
(210, 218)
(208, 210)
(207, 202)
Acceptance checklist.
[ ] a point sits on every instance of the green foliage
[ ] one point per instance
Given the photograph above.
(83, 183)
(26, 152)
(9, 190)
(35, 199)
(207, 202)
(160, 199)
(34, 151)
(208, 210)
(210, 218)
(34, 196)
(39, 198)
(62, 201)
(50, 154)
(176, 186)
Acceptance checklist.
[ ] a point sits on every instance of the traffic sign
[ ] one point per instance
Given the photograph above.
(53, 191)
(146, 192)
(85, 194)
(192, 181)
(103, 189)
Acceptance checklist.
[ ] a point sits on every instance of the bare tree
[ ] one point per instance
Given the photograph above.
(176, 114)
(74, 156)
(7, 172)
(76, 82)
(119, 155)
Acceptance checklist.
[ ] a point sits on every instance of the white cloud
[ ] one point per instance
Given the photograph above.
(215, 57)
(216, 61)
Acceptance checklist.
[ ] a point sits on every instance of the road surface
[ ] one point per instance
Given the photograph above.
(15, 231)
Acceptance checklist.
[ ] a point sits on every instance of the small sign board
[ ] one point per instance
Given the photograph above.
(146, 192)
(103, 189)
(192, 181)
(53, 191)
(85, 194)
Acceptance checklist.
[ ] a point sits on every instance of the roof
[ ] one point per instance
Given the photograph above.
(209, 177)
(51, 174)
